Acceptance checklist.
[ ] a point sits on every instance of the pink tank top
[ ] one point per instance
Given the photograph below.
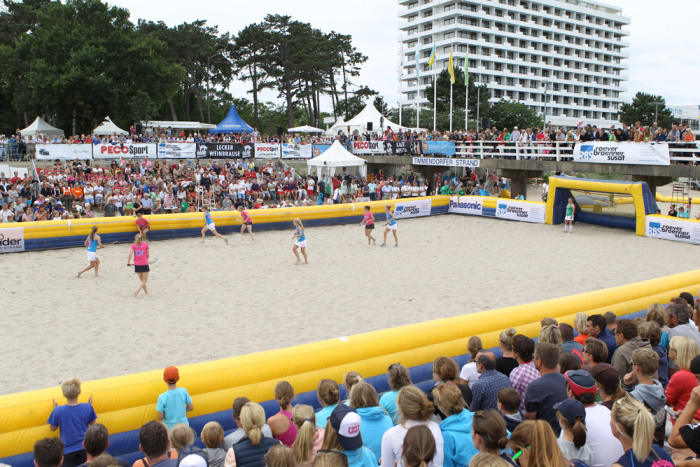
(287, 438)
(368, 218)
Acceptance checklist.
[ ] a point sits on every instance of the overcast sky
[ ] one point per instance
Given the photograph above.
(663, 52)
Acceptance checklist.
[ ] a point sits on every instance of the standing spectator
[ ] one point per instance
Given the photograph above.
(506, 363)
(485, 391)
(399, 377)
(174, 403)
(548, 389)
(73, 419)
(628, 341)
(678, 319)
(595, 326)
(568, 344)
(469, 374)
(154, 443)
(48, 452)
(525, 373)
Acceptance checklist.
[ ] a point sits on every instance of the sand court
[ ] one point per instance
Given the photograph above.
(214, 301)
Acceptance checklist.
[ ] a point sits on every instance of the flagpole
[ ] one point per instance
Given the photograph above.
(435, 98)
(450, 107)
(466, 109)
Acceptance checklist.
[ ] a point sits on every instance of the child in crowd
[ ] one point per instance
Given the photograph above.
(571, 415)
(174, 403)
(73, 419)
(212, 436)
(508, 405)
(645, 363)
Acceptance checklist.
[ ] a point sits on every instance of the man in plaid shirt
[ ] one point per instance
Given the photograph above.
(525, 373)
(486, 388)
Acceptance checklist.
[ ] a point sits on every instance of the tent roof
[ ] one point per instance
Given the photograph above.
(40, 125)
(107, 128)
(233, 123)
(370, 114)
(336, 156)
(180, 125)
(305, 129)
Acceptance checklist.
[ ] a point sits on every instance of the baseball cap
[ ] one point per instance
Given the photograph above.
(346, 422)
(580, 382)
(605, 374)
(571, 409)
(171, 375)
(193, 460)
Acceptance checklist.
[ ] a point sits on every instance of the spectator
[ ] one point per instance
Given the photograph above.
(651, 331)
(350, 378)
(550, 334)
(508, 406)
(212, 437)
(251, 450)
(595, 352)
(331, 458)
(328, 393)
(568, 344)
(309, 437)
(418, 447)
(281, 423)
(343, 432)
(181, 436)
(485, 391)
(686, 433)
(280, 456)
(48, 452)
(548, 389)
(633, 426)
(608, 383)
(648, 390)
(678, 319)
(399, 377)
(445, 370)
(548, 322)
(572, 419)
(456, 427)
(657, 313)
(595, 326)
(174, 403)
(238, 434)
(73, 419)
(580, 326)
(96, 443)
(469, 374)
(568, 362)
(628, 341)
(489, 434)
(154, 444)
(525, 373)
(506, 363)
(484, 459)
(682, 350)
(375, 421)
(611, 320)
(535, 445)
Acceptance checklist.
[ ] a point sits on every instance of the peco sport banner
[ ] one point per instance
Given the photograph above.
(445, 148)
(367, 147)
(520, 211)
(225, 151)
(622, 153)
(296, 151)
(398, 148)
(470, 205)
(177, 150)
(63, 151)
(443, 162)
(11, 240)
(417, 208)
(671, 228)
(126, 150)
(267, 151)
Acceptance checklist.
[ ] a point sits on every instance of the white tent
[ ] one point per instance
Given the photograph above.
(368, 115)
(108, 128)
(337, 126)
(40, 126)
(305, 129)
(334, 157)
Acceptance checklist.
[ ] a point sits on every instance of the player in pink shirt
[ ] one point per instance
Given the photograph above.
(368, 222)
(143, 225)
(140, 253)
(247, 222)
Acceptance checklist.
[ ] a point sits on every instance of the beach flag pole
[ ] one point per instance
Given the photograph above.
(451, 71)
(466, 85)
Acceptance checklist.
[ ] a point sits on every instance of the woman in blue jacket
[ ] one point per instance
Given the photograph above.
(457, 427)
(375, 421)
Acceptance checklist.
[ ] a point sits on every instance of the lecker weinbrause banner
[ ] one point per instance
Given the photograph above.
(622, 153)
(225, 151)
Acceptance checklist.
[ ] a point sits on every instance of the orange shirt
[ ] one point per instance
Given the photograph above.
(77, 192)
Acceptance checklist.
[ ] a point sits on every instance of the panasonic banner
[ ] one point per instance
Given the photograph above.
(520, 211)
(671, 228)
(418, 208)
(622, 153)
(470, 205)
(11, 240)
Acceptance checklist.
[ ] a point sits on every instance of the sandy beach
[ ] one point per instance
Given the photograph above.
(213, 301)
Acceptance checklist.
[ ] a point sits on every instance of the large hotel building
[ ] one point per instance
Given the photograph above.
(573, 51)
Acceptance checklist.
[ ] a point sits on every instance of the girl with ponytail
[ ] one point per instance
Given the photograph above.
(418, 447)
(92, 243)
(489, 434)
(534, 445)
(633, 425)
(309, 438)
(571, 415)
(251, 450)
(281, 423)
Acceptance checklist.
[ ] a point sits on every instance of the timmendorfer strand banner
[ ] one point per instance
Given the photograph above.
(671, 228)
(599, 152)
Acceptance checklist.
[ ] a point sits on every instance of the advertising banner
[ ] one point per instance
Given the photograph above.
(443, 162)
(622, 153)
(368, 147)
(471, 205)
(417, 208)
(177, 150)
(225, 151)
(11, 240)
(46, 152)
(319, 149)
(671, 228)
(445, 148)
(520, 211)
(267, 151)
(398, 148)
(296, 151)
(126, 150)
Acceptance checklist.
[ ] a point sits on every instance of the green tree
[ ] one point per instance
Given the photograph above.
(508, 114)
(644, 109)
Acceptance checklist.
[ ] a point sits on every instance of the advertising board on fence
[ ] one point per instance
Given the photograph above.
(520, 211)
(126, 150)
(225, 151)
(320, 149)
(446, 148)
(177, 150)
(296, 151)
(444, 162)
(11, 240)
(367, 147)
(678, 230)
(267, 151)
(417, 208)
(471, 205)
(45, 152)
(622, 153)
(398, 148)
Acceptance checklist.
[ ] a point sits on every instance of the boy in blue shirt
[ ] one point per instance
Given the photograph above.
(73, 419)
(174, 403)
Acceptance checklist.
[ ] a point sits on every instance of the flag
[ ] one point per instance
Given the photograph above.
(451, 69)
(466, 67)
(433, 56)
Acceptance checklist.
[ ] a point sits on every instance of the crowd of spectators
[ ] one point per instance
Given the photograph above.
(618, 393)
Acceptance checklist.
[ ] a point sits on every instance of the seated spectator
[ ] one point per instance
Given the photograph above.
(48, 452)
(489, 434)
(651, 331)
(154, 444)
(534, 445)
(611, 320)
(568, 362)
(686, 433)
(508, 406)
(649, 391)
(525, 373)
(596, 327)
(328, 393)
(485, 391)
(351, 378)
(309, 437)
(212, 437)
(456, 427)
(484, 459)
(506, 363)
(281, 423)
(331, 458)
(568, 344)
(343, 432)
(238, 434)
(678, 319)
(181, 436)
(682, 350)
(445, 370)
(572, 419)
(628, 341)
(580, 326)
(548, 322)
(399, 377)
(281, 456)
(633, 426)
(375, 421)
(96, 443)
(607, 382)
(595, 352)
(469, 373)
(550, 334)
(250, 451)
(418, 447)
(548, 389)
(657, 313)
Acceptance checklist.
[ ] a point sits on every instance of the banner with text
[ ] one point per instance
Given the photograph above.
(126, 150)
(296, 151)
(398, 148)
(368, 147)
(442, 162)
(471, 205)
(622, 153)
(11, 240)
(267, 151)
(177, 150)
(418, 208)
(520, 211)
(320, 149)
(225, 151)
(671, 228)
(45, 152)
(445, 148)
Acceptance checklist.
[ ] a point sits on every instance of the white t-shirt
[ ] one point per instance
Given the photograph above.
(599, 437)
(392, 443)
(470, 374)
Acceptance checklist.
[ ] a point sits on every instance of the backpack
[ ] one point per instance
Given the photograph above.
(193, 450)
